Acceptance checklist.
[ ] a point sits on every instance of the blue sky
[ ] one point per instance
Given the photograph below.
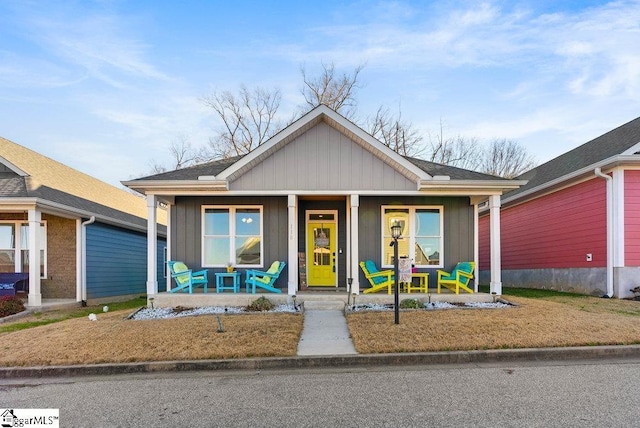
(105, 86)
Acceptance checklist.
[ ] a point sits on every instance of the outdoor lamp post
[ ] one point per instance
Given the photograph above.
(396, 231)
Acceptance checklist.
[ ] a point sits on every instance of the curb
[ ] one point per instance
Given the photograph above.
(421, 358)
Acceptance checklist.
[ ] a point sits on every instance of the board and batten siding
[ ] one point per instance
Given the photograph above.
(557, 230)
(632, 218)
(458, 229)
(186, 238)
(322, 159)
(116, 261)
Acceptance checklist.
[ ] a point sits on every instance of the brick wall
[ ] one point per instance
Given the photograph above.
(61, 258)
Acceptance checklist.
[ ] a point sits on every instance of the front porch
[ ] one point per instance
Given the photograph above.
(200, 299)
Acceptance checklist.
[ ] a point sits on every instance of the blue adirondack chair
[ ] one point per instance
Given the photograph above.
(185, 278)
(265, 280)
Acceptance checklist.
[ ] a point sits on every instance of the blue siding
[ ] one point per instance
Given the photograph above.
(116, 261)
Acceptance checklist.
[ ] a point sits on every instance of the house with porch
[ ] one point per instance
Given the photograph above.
(321, 196)
(78, 239)
(575, 225)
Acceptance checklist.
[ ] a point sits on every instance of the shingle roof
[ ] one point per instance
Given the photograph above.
(52, 181)
(214, 168)
(614, 142)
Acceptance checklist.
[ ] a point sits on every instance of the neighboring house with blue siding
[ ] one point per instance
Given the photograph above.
(78, 237)
(322, 195)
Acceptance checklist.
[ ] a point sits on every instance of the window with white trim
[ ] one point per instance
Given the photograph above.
(232, 234)
(14, 247)
(422, 237)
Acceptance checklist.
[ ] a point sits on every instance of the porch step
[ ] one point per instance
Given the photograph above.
(323, 305)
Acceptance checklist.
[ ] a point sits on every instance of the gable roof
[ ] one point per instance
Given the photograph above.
(217, 175)
(619, 144)
(29, 177)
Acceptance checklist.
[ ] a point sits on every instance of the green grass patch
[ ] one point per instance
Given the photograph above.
(51, 317)
(532, 293)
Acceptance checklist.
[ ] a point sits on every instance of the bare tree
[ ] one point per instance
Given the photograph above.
(182, 154)
(394, 132)
(506, 158)
(455, 151)
(336, 92)
(248, 120)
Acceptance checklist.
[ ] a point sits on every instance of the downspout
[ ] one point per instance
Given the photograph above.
(609, 179)
(83, 252)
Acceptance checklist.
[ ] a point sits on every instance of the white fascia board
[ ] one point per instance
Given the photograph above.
(618, 160)
(171, 186)
(13, 168)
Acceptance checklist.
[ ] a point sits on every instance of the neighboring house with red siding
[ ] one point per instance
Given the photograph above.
(575, 225)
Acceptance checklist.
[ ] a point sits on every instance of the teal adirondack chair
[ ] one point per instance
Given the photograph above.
(459, 278)
(379, 279)
(265, 280)
(185, 278)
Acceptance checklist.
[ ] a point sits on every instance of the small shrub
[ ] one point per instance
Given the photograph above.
(261, 304)
(10, 305)
(410, 304)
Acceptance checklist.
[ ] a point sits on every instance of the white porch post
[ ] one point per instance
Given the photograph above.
(35, 295)
(292, 243)
(476, 245)
(618, 232)
(169, 226)
(494, 218)
(152, 246)
(355, 254)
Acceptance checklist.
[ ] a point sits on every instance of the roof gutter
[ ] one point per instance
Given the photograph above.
(598, 172)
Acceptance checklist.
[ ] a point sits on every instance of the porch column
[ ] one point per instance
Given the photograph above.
(618, 232)
(35, 295)
(476, 245)
(152, 246)
(292, 243)
(355, 253)
(494, 219)
(169, 256)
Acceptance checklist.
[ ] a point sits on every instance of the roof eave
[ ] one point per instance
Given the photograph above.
(491, 186)
(612, 162)
(159, 186)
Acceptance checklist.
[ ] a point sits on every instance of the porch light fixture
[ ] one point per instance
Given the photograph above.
(396, 233)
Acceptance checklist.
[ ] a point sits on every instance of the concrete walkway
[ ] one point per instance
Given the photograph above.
(325, 331)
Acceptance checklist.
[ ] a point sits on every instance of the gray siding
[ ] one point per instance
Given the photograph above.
(458, 229)
(186, 237)
(323, 159)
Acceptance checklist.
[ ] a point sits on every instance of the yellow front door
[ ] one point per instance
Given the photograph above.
(321, 254)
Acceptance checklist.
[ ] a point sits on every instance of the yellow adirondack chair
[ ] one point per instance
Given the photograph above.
(459, 278)
(379, 279)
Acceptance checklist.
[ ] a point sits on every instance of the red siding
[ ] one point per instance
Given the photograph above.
(632, 218)
(554, 231)
(484, 248)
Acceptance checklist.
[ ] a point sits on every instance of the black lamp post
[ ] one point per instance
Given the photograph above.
(396, 231)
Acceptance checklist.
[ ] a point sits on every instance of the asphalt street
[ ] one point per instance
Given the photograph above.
(575, 393)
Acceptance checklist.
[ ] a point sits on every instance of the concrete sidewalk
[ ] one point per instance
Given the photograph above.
(325, 330)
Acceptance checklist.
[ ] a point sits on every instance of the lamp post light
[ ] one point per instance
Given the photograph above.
(396, 231)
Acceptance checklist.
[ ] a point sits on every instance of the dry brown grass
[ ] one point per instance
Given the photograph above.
(548, 322)
(552, 322)
(115, 339)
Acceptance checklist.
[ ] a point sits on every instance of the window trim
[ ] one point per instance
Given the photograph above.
(232, 235)
(412, 233)
(17, 248)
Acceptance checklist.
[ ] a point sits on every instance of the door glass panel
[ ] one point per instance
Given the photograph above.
(321, 246)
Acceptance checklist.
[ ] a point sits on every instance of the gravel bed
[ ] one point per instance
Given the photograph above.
(162, 313)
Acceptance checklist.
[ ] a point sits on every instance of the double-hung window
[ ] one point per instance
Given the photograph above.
(422, 237)
(14, 247)
(232, 234)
